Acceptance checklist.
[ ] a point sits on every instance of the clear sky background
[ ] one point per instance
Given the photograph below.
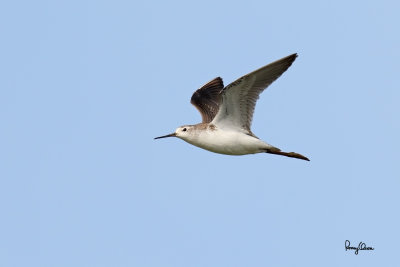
(87, 85)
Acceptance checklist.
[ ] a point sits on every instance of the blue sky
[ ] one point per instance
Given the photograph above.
(87, 85)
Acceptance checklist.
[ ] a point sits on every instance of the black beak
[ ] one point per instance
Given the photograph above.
(168, 135)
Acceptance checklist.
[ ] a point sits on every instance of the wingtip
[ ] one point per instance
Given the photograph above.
(287, 60)
(293, 56)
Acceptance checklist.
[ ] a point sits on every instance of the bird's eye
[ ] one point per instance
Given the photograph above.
(184, 129)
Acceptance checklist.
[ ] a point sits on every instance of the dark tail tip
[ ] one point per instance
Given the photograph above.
(277, 151)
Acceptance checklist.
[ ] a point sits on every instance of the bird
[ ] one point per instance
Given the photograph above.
(227, 113)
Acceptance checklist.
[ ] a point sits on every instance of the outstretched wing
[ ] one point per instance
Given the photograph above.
(207, 99)
(239, 98)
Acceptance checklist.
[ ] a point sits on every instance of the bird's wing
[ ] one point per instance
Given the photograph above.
(207, 99)
(239, 98)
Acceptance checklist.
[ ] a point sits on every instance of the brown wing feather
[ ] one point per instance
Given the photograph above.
(207, 99)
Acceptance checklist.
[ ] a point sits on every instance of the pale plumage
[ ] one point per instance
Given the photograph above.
(227, 113)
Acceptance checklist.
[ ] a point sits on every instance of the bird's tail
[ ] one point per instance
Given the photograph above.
(277, 151)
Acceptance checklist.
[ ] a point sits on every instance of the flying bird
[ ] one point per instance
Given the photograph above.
(227, 113)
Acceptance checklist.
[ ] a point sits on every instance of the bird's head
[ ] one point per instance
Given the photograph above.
(182, 132)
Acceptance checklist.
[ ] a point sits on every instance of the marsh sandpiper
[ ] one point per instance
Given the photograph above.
(227, 113)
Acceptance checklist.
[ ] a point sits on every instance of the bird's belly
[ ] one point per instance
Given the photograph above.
(230, 143)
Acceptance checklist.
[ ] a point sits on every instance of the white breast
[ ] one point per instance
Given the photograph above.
(227, 142)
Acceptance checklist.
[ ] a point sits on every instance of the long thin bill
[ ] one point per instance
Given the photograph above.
(168, 135)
